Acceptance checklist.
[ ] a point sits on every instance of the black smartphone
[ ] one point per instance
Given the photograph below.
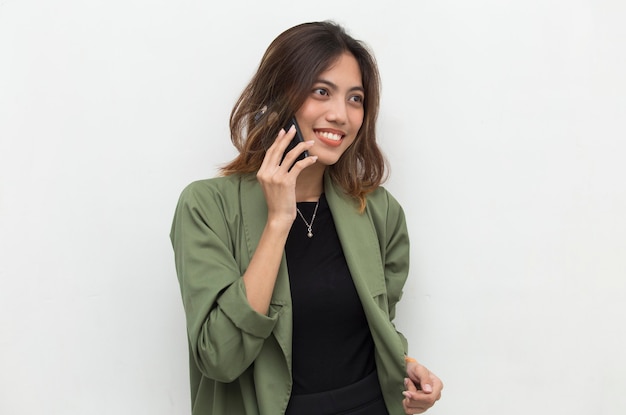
(296, 139)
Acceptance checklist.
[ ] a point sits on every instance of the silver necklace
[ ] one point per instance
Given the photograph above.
(309, 225)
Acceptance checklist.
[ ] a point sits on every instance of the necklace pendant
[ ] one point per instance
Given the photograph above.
(309, 226)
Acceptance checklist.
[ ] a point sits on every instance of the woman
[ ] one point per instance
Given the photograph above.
(290, 268)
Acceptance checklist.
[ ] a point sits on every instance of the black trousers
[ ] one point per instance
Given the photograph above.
(361, 398)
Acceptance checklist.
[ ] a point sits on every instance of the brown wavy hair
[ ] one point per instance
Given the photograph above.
(290, 66)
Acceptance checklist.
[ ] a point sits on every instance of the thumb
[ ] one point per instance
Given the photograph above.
(420, 376)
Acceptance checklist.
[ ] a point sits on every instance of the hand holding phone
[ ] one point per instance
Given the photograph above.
(296, 139)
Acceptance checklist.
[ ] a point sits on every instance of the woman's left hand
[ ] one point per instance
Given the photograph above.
(422, 389)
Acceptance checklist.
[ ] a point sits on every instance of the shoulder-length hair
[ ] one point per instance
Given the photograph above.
(289, 68)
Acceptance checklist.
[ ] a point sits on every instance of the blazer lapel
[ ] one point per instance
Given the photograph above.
(358, 241)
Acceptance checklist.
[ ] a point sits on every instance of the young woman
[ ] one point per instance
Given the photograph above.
(290, 270)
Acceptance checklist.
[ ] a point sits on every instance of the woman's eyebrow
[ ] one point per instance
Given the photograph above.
(334, 87)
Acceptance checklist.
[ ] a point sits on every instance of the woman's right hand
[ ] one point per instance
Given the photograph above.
(278, 180)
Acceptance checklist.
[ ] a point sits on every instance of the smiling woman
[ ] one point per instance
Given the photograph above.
(291, 270)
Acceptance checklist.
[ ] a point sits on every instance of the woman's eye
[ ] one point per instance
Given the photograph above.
(357, 98)
(320, 91)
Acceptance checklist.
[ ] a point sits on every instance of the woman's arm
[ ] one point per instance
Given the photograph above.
(278, 182)
(225, 333)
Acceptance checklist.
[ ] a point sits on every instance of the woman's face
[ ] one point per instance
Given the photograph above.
(332, 114)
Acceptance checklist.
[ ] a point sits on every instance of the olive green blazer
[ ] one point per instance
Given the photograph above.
(240, 360)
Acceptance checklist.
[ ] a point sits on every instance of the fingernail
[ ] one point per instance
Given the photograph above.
(406, 394)
(406, 381)
(427, 388)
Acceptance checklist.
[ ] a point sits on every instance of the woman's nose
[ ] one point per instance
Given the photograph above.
(337, 112)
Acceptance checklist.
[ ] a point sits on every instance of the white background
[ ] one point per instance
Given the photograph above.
(503, 122)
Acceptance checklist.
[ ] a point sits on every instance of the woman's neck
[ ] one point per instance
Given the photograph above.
(310, 183)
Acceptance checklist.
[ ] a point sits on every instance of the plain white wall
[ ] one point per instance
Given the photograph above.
(504, 125)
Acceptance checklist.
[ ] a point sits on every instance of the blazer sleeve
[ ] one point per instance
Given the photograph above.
(396, 257)
(225, 334)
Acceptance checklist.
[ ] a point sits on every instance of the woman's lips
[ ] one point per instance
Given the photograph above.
(329, 138)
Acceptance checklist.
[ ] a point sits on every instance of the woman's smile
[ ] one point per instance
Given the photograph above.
(329, 137)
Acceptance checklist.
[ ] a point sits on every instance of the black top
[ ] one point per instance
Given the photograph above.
(332, 343)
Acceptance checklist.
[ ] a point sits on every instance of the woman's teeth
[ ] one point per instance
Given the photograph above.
(330, 136)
